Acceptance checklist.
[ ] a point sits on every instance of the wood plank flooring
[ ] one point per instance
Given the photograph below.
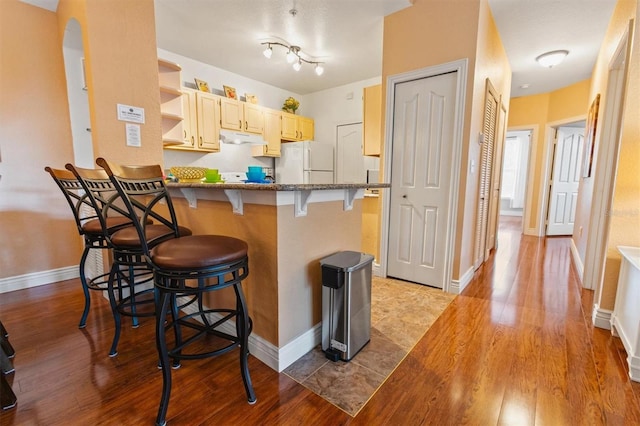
(516, 348)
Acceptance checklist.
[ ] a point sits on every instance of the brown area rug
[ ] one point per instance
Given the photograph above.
(401, 313)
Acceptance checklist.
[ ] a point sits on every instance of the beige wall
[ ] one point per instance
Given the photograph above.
(36, 226)
(539, 112)
(258, 226)
(625, 210)
(491, 64)
(121, 65)
(284, 287)
(119, 38)
(413, 39)
(302, 243)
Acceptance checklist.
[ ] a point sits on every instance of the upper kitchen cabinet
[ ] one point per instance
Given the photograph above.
(271, 134)
(201, 129)
(243, 116)
(170, 102)
(296, 128)
(372, 114)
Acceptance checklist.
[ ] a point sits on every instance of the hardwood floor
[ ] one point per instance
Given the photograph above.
(516, 348)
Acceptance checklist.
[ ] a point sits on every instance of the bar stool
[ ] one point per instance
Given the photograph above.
(95, 235)
(187, 266)
(130, 282)
(8, 398)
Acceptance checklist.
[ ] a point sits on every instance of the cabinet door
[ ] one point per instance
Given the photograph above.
(208, 122)
(253, 118)
(272, 132)
(289, 126)
(190, 122)
(372, 115)
(231, 114)
(305, 129)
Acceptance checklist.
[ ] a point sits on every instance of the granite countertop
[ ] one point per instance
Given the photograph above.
(277, 186)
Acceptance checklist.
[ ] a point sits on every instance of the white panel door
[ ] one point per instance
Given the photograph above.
(349, 157)
(565, 180)
(420, 176)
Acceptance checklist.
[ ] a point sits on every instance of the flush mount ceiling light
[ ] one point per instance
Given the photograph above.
(553, 58)
(293, 56)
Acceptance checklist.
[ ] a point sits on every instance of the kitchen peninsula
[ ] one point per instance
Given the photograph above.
(289, 228)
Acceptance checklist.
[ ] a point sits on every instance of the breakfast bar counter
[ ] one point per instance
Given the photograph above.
(288, 228)
(297, 194)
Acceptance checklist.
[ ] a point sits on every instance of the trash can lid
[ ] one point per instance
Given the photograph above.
(347, 260)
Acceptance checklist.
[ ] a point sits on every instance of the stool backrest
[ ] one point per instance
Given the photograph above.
(102, 197)
(74, 194)
(146, 198)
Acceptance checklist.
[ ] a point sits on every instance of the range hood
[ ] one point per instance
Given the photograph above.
(240, 138)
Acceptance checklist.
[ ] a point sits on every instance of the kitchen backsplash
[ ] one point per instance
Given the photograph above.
(231, 158)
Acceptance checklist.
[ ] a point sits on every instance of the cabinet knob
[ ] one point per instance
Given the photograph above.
(193, 142)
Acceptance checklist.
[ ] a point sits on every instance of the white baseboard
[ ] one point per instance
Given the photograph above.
(601, 318)
(36, 279)
(532, 231)
(376, 270)
(299, 346)
(457, 286)
(276, 358)
(510, 213)
(577, 262)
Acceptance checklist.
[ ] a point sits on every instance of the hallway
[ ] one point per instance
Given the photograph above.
(516, 348)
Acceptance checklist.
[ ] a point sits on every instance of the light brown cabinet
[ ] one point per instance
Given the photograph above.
(296, 127)
(271, 134)
(201, 125)
(170, 102)
(372, 114)
(243, 116)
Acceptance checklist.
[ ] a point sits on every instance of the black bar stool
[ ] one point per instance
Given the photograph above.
(95, 235)
(187, 266)
(8, 398)
(130, 282)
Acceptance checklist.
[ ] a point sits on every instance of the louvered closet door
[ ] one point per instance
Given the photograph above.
(496, 176)
(486, 167)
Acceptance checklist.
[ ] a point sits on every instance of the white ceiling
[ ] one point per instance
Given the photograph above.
(344, 34)
(532, 27)
(347, 36)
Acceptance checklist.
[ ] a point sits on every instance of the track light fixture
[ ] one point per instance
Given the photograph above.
(293, 56)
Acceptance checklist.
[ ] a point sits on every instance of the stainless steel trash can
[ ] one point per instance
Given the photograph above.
(346, 304)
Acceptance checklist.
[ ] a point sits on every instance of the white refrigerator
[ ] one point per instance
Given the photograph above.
(305, 162)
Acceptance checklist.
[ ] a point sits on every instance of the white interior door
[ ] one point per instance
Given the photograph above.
(565, 180)
(349, 157)
(423, 126)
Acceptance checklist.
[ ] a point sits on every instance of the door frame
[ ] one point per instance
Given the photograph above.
(545, 189)
(460, 67)
(527, 209)
(552, 159)
(605, 174)
(527, 190)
